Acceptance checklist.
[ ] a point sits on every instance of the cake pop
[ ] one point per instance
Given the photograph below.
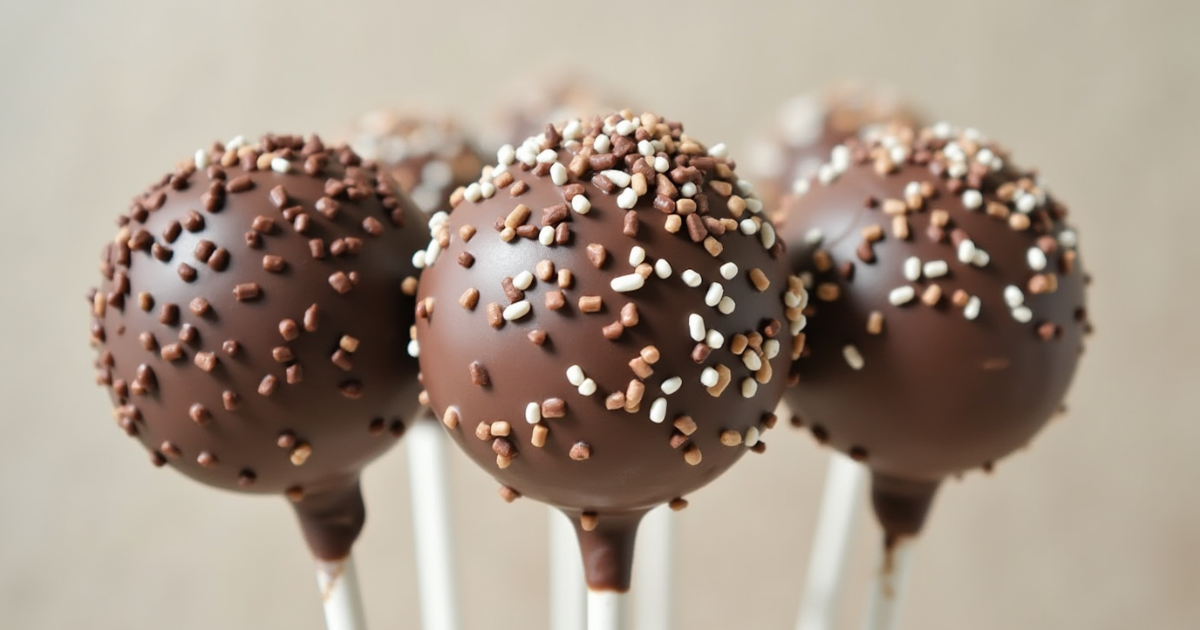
(809, 126)
(428, 157)
(602, 323)
(252, 324)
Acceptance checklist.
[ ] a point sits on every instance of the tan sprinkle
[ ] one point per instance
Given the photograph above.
(565, 278)
(875, 323)
(650, 354)
(872, 233)
(713, 246)
(932, 295)
(828, 291)
(450, 418)
(759, 280)
(596, 254)
(730, 437)
(673, 223)
(685, 424)
(500, 428)
(483, 431)
(469, 299)
(692, 455)
(544, 270)
(629, 315)
(538, 439)
(300, 454)
(641, 367)
(580, 451)
(495, 315)
(960, 298)
(466, 232)
(588, 521)
(517, 217)
(723, 378)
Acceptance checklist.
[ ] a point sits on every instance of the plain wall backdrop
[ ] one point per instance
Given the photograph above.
(1096, 527)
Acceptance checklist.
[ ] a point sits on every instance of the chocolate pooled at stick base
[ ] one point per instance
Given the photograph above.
(947, 314)
(251, 324)
(605, 322)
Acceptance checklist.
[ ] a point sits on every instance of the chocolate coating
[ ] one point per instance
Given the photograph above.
(428, 157)
(604, 457)
(810, 125)
(918, 389)
(276, 364)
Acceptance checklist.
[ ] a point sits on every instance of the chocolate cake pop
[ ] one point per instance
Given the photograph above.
(428, 157)
(948, 309)
(603, 322)
(253, 323)
(810, 125)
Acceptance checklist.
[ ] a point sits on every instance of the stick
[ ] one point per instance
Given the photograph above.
(887, 589)
(428, 477)
(567, 590)
(653, 583)
(831, 544)
(338, 581)
(606, 610)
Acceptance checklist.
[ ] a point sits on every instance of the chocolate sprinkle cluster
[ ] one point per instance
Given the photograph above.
(251, 319)
(948, 311)
(604, 316)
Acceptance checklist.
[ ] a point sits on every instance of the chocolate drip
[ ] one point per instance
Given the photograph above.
(901, 505)
(332, 517)
(608, 549)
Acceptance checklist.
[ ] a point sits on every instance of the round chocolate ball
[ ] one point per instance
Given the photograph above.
(947, 313)
(809, 126)
(252, 323)
(604, 318)
(428, 157)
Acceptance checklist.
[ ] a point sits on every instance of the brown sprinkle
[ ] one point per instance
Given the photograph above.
(580, 451)
(875, 323)
(479, 374)
(591, 303)
(495, 315)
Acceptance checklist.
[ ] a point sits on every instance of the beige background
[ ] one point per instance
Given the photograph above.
(1096, 527)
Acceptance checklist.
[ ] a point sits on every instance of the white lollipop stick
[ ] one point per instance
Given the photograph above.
(428, 474)
(606, 610)
(338, 581)
(831, 544)
(887, 588)
(653, 573)
(568, 592)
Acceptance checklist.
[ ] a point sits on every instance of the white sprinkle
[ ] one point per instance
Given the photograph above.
(767, 235)
(936, 269)
(966, 251)
(985, 156)
(688, 190)
(1026, 203)
(691, 278)
(533, 413)
(714, 294)
(748, 227)
(754, 205)
(637, 255)
(662, 164)
(235, 144)
(714, 339)
(746, 188)
(729, 271)
(546, 235)
(672, 385)
(800, 187)
(602, 144)
(726, 305)
(901, 295)
(806, 279)
(1068, 238)
(709, 377)
(971, 310)
(771, 348)
(1022, 314)
(472, 192)
(658, 410)
(523, 280)
(839, 158)
(414, 349)
(281, 165)
(558, 174)
(1013, 296)
(431, 252)
(751, 359)
(912, 268)
(1036, 259)
(981, 258)
(575, 375)
(791, 300)
(943, 130)
(853, 357)
(549, 156)
(912, 189)
(645, 149)
(587, 387)
(506, 155)
(662, 268)
(696, 327)
(795, 326)
(438, 219)
(972, 199)
(201, 159)
(627, 199)
(751, 437)
(418, 259)
(526, 155)
(749, 388)
(826, 174)
(626, 283)
(957, 170)
(813, 236)
(718, 150)
(573, 130)
(516, 310)
(620, 178)
(487, 190)
(626, 127)
(581, 204)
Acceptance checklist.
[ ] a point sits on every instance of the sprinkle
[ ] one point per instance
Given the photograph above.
(981, 258)
(516, 310)
(1022, 314)
(901, 295)
(691, 278)
(558, 174)
(523, 280)
(971, 310)
(479, 374)
(575, 375)
(580, 451)
(729, 271)
(752, 436)
(662, 268)
(627, 283)
(972, 199)
(1013, 296)
(553, 408)
(714, 339)
(658, 410)
(1068, 238)
(936, 269)
(714, 294)
(912, 268)
(691, 455)
(874, 323)
(587, 387)
(966, 251)
(853, 357)
(932, 295)
(672, 385)
(637, 255)
(1036, 259)
(726, 306)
